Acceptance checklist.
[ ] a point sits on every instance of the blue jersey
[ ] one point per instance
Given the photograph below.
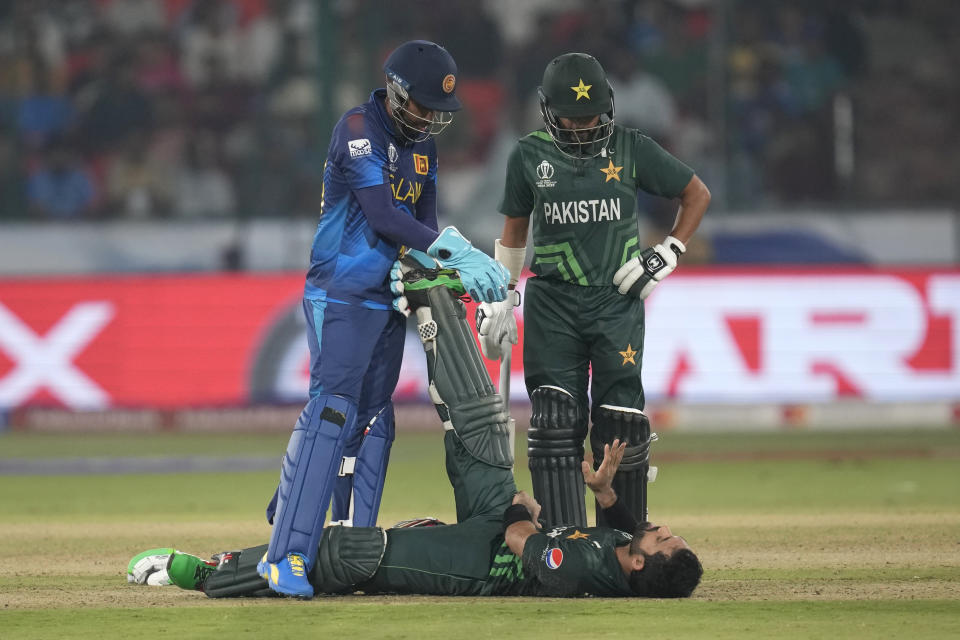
(349, 262)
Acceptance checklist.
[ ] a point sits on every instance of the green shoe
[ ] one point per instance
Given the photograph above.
(188, 571)
(149, 567)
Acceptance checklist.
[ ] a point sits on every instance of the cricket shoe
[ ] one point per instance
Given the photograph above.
(188, 571)
(289, 576)
(418, 282)
(150, 567)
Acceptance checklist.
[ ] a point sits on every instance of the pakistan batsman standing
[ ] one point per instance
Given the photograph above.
(577, 180)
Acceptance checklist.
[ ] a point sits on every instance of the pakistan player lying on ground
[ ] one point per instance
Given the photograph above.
(497, 546)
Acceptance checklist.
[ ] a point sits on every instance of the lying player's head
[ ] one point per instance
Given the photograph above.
(421, 84)
(576, 103)
(670, 568)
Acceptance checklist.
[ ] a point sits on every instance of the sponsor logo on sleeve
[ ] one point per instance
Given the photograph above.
(359, 147)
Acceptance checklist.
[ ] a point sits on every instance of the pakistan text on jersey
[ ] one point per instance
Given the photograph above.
(574, 211)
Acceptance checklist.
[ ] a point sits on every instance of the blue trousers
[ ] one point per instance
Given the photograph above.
(355, 353)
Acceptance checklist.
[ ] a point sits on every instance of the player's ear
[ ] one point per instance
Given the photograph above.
(636, 562)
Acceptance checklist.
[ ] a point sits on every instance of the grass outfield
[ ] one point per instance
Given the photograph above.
(802, 535)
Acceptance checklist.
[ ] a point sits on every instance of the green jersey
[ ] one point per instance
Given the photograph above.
(585, 210)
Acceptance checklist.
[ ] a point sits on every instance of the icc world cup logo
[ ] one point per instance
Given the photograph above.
(544, 170)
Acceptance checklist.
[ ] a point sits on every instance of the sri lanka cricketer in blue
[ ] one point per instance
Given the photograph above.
(379, 195)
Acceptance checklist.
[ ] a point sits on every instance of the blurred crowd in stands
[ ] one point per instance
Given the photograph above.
(197, 108)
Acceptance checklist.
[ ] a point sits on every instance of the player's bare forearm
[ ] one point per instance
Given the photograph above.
(517, 534)
(606, 498)
(515, 232)
(694, 200)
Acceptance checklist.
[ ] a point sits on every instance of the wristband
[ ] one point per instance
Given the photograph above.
(516, 513)
(512, 258)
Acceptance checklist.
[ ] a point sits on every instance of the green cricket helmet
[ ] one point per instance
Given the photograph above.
(575, 87)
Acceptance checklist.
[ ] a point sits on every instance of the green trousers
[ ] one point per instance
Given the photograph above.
(453, 559)
(573, 335)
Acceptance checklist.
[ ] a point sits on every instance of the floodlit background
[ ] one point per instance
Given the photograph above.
(160, 181)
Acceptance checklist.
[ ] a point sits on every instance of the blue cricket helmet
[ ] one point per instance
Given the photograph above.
(425, 73)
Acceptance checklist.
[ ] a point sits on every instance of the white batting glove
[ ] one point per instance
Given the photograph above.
(497, 324)
(639, 275)
(150, 570)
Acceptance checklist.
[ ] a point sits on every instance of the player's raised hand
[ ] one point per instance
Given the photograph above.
(601, 480)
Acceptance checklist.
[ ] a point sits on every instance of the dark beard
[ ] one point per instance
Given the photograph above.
(642, 528)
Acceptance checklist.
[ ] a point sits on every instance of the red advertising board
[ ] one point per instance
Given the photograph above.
(164, 341)
(713, 335)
